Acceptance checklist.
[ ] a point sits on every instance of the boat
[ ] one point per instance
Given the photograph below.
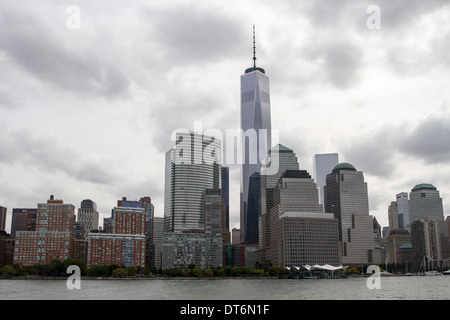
(432, 273)
(446, 273)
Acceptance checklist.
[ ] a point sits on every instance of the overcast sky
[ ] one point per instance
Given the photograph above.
(89, 98)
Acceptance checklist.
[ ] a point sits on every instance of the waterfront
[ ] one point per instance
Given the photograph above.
(391, 288)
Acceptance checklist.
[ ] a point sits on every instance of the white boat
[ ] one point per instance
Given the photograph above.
(446, 272)
(432, 273)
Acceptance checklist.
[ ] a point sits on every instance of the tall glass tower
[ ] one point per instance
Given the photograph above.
(192, 166)
(257, 140)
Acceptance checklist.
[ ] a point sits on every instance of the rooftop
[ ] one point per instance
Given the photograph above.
(344, 166)
(422, 186)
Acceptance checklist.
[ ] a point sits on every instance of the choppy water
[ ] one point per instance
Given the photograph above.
(391, 288)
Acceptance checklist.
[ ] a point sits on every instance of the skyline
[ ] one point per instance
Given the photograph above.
(88, 113)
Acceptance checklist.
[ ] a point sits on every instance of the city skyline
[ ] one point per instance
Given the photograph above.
(87, 113)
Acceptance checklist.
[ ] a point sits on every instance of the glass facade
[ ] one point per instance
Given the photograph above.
(425, 202)
(255, 118)
(189, 172)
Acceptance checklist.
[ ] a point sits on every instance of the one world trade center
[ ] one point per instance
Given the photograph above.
(256, 127)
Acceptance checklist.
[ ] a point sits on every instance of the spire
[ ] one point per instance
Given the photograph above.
(254, 47)
(254, 68)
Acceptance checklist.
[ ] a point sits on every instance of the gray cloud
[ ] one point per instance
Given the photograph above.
(49, 56)
(429, 140)
(187, 34)
(47, 153)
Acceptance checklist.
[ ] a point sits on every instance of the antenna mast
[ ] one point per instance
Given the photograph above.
(254, 47)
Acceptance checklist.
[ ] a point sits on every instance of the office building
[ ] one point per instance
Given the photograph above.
(53, 238)
(283, 159)
(257, 141)
(215, 215)
(346, 197)
(188, 173)
(425, 202)
(323, 164)
(298, 231)
(306, 238)
(158, 232)
(402, 201)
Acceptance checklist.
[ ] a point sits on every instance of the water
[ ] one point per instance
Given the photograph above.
(391, 288)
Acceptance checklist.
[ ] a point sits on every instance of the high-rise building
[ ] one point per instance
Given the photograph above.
(158, 231)
(430, 243)
(323, 164)
(393, 216)
(53, 238)
(23, 220)
(88, 217)
(403, 210)
(425, 202)
(225, 189)
(346, 197)
(285, 159)
(126, 244)
(256, 125)
(192, 166)
(3, 211)
(299, 232)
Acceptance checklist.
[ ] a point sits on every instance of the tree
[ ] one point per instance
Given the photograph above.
(77, 262)
(8, 270)
(120, 272)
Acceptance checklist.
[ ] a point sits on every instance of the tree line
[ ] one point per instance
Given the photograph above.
(58, 268)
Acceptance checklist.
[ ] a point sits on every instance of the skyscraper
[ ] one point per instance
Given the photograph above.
(425, 202)
(88, 217)
(189, 172)
(323, 164)
(346, 197)
(286, 160)
(403, 210)
(256, 126)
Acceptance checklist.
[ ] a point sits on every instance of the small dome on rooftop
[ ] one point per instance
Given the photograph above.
(344, 166)
(424, 186)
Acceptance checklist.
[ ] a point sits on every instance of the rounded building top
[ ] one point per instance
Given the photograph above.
(344, 166)
(424, 186)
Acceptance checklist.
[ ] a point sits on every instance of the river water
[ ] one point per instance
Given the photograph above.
(388, 288)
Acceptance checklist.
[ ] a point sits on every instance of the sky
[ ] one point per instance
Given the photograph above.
(91, 91)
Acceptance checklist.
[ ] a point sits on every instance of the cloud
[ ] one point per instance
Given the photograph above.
(192, 34)
(429, 140)
(47, 53)
(48, 153)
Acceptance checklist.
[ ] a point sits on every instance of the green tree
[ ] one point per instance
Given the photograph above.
(120, 272)
(8, 270)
